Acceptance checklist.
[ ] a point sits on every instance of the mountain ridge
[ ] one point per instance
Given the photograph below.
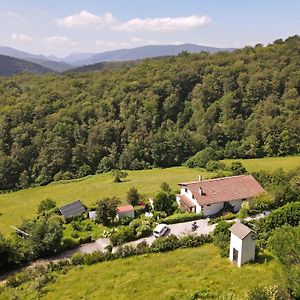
(11, 66)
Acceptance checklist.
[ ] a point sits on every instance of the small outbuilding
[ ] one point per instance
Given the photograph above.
(125, 211)
(92, 215)
(242, 244)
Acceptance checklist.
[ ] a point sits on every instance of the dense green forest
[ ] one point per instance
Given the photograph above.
(157, 113)
(11, 66)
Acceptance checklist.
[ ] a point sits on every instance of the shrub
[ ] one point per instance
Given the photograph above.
(77, 259)
(118, 175)
(193, 240)
(95, 257)
(262, 202)
(237, 168)
(139, 210)
(164, 244)
(46, 205)
(142, 247)
(143, 231)
(69, 243)
(244, 211)
(125, 251)
(268, 293)
(214, 165)
(85, 239)
(221, 237)
(122, 235)
(181, 217)
(133, 196)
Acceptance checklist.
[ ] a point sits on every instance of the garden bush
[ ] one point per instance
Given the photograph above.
(193, 240)
(69, 243)
(181, 217)
(164, 244)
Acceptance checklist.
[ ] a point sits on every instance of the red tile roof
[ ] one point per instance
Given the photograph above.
(186, 201)
(124, 208)
(224, 189)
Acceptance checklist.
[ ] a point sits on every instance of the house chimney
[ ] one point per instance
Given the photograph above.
(200, 191)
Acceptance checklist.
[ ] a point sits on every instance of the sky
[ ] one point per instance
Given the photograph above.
(69, 26)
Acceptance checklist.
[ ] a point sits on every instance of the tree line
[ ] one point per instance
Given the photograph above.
(157, 113)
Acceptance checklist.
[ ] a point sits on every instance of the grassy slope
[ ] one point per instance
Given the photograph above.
(171, 275)
(23, 204)
(269, 163)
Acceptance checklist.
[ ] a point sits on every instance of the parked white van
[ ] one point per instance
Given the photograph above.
(160, 230)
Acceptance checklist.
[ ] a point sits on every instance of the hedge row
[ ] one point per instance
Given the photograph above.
(181, 217)
(162, 244)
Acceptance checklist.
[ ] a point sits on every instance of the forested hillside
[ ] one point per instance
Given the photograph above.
(157, 113)
(11, 66)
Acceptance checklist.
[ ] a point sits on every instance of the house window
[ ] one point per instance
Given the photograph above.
(193, 196)
(186, 190)
(208, 205)
(244, 199)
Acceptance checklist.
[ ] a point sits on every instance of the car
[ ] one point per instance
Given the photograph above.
(160, 230)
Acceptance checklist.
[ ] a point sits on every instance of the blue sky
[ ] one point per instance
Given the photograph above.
(66, 26)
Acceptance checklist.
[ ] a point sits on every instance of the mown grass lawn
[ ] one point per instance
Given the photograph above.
(171, 275)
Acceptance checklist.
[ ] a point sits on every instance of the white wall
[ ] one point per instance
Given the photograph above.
(125, 214)
(245, 247)
(236, 243)
(212, 209)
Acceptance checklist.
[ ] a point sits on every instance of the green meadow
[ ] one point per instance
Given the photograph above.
(172, 275)
(23, 204)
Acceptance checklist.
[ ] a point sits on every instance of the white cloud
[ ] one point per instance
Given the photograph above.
(105, 44)
(57, 39)
(86, 19)
(165, 24)
(11, 14)
(21, 38)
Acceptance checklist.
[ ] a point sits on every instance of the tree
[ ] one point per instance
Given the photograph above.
(165, 202)
(285, 244)
(106, 210)
(237, 168)
(133, 196)
(118, 175)
(46, 205)
(46, 236)
(165, 187)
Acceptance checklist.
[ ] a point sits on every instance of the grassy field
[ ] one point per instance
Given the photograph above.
(269, 163)
(23, 204)
(172, 275)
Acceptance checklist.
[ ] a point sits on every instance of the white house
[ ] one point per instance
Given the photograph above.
(125, 211)
(215, 195)
(242, 244)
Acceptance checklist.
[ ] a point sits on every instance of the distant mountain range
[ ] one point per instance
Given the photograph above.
(54, 65)
(11, 66)
(146, 52)
(74, 60)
